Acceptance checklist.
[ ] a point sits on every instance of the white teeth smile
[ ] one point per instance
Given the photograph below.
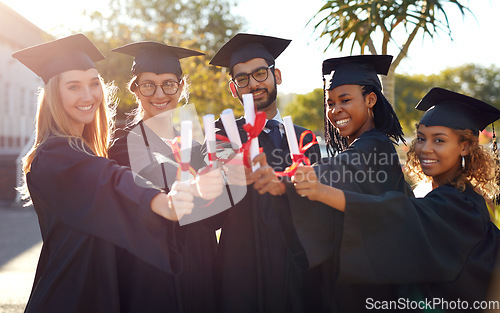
(159, 105)
(342, 122)
(85, 108)
(428, 161)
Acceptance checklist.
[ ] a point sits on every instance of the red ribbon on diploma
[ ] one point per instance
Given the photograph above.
(183, 167)
(253, 131)
(299, 158)
(212, 156)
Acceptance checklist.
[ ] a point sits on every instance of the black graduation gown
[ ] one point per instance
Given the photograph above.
(254, 270)
(87, 206)
(142, 285)
(370, 165)
(443, 244)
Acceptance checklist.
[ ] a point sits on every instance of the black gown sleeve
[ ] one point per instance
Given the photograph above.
(317, 227)
(96, 196)
(393, 238)
(370, 166)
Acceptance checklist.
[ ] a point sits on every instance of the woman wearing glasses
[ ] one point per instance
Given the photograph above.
(146, 146)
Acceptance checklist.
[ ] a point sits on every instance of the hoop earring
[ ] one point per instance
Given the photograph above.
(370, 113)
(463, 162)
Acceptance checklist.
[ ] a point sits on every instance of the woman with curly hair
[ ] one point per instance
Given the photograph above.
(441, 248)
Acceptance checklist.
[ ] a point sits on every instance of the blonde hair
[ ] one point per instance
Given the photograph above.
(52, 120)
(137, 114)
(481, 168)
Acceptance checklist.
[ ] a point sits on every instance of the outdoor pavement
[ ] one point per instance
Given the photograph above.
(20, 245)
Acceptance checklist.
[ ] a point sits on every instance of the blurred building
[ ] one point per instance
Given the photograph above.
(18, 92)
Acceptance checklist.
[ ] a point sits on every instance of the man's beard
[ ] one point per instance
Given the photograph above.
(265, 103)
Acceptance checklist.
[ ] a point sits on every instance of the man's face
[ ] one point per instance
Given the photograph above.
(264, 92)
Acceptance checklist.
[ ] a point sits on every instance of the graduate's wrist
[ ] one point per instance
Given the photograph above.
(162, 205)
(324, 193)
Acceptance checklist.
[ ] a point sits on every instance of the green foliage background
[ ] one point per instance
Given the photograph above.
(474, 80)
(202, 25)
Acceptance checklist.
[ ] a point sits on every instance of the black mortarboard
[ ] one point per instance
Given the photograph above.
(48, 59)
(154, 57)
(244, 47)
(356, 70)
(447, 108)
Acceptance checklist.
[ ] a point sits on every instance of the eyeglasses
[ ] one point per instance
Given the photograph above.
(260, 75)
(169, 87)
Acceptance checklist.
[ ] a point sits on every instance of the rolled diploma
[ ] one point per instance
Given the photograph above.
(209, 125)
(186, 144)
(227, 117)
(250, 118)
(291, 136)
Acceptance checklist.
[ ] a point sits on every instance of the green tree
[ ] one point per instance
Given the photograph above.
(201, 25)
(373, 24)
(409, 92)
(471, 79)
(307, 110)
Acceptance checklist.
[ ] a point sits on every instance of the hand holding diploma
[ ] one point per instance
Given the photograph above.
(208, 184)
(265, 179)
(174, 205)
(306, 183)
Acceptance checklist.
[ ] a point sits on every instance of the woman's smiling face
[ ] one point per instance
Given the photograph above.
(350, 111)
(81, 95)
(159, 102)
(439, 151)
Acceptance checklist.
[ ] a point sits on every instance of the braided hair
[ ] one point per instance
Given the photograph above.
(384, 117)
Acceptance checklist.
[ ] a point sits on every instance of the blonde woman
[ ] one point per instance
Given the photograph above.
(86, 204)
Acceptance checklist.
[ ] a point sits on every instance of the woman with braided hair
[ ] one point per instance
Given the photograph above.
(361, 128)
(441, 248)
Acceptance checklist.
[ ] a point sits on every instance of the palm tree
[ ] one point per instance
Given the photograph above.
(362, 21)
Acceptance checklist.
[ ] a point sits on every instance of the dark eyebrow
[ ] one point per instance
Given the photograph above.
(433, 135)
(440, 134)
(253, 71)
(344, 94)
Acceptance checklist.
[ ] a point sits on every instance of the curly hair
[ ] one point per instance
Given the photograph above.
(384, 117)
(480, 171)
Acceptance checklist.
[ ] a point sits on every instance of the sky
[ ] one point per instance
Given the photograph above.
(300, 64)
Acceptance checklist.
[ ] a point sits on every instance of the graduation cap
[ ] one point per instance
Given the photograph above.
(49, 59)
(457, 111)
(356, 70)
(154, 57)
(244, 47)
